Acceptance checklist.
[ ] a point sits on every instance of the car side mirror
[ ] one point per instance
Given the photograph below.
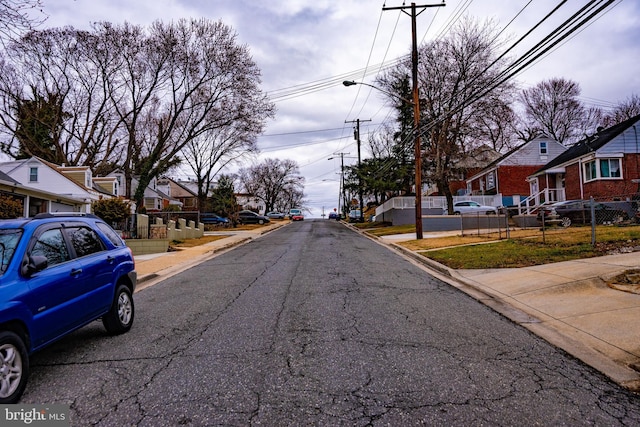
(33, 264)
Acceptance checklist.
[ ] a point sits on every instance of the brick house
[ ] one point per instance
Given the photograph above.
(508, 174)
(181, 193)
(605, 165)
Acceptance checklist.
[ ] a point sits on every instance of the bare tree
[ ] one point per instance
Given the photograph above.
(277, 183)
(454, 76)
(208, 154)
(209, 83)
(624, 110)
(553, 108)
(16, 17)
(132, 98)
(66, 69)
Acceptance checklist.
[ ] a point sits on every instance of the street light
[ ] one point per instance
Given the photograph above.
(348, 83)
(417, 150)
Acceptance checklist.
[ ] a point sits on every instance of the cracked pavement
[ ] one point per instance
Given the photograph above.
(314, 324)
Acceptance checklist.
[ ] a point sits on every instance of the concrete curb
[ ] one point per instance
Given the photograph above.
(198, 259)
(590, 350)
(191, 257)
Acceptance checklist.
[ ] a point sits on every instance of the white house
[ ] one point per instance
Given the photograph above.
(62, 193)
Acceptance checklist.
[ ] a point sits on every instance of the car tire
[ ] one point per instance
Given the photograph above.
(14, 367)
(260, 221)
(490, 213)
(565, 221)
(119, 319)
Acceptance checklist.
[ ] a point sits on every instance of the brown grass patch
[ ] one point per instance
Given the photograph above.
(189, 243)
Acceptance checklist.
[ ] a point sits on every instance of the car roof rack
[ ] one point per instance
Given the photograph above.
(64, 214)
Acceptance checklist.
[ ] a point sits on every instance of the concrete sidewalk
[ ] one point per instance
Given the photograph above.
(569, 304)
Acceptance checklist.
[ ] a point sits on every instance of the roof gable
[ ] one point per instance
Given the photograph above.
(527, 154)
(591, 144)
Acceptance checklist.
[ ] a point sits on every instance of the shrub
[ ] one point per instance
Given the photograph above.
(10, 208)
(112, 210)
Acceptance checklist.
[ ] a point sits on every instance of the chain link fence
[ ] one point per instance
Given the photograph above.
(594, 215)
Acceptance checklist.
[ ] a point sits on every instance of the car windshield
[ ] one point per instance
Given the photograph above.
(8, 242)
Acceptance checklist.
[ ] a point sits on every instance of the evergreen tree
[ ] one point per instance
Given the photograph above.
(223, 198)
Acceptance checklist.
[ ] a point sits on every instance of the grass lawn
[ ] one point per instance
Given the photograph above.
(523, 248)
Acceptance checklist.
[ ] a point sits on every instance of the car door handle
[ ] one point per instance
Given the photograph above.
(110, 259)
(76, 271)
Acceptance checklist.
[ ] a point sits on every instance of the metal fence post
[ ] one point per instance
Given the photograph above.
(593, 221)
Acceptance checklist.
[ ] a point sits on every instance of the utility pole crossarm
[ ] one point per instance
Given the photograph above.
(424, 6)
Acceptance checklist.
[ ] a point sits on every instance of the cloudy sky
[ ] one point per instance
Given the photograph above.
(306, 48)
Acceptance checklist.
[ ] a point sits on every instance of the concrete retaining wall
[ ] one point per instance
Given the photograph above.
(161, 234)
(439, 222)
(148, 246)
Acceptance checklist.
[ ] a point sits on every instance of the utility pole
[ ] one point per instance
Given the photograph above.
(416, 107)
(342, 192)
(356, 135)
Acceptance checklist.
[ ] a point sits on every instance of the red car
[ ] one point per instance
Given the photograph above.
(296, 215)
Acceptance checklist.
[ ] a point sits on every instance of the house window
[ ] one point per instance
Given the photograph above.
(610, 168)
(543, 147)
(491, 181)
(33, 174)
(590, 171)
(602, 169)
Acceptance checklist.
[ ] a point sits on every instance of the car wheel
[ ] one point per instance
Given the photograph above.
(565, 221)
(457, 213)
(120, 317)
(14, 367)
(260, 221)
(491, 213)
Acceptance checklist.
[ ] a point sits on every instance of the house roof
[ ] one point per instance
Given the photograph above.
(181, 186)
(7, 178)
(590, 144)
(507, 155)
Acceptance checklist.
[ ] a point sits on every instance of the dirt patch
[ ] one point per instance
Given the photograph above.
(629, 281)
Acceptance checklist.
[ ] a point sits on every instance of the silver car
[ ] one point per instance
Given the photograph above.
(469, 206)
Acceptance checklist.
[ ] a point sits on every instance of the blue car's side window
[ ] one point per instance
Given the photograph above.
(85, 241)
(51, 245)
(8, 241)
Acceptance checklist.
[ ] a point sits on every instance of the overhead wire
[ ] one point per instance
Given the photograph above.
(559, 35)
(569, 26)
(590, 11)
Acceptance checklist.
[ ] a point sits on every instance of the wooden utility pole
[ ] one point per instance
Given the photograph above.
(342, 193)
(416, 107)
(356, 135)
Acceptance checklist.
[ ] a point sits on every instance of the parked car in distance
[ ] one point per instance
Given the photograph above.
(334, 215)
(579, 212)
(469, 206)
(296, 215)
(250, 217)
(57, 274)
(275, 215)
(211, 218)
(354, 216)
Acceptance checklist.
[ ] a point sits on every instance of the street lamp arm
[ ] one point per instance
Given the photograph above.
(353, 83)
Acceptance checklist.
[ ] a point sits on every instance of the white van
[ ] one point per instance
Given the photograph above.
(295, 215)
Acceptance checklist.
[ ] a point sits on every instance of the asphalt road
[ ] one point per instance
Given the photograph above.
(314, 324)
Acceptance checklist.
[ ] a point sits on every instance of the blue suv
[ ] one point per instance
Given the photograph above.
(57, 274)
